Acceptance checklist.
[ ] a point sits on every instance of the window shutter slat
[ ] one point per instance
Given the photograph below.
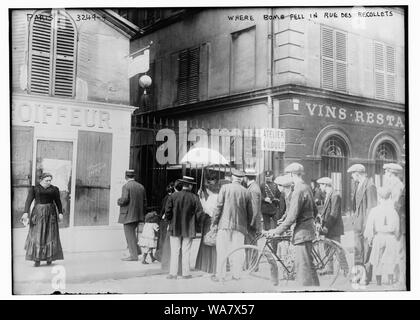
(41, 54)
(64, 57)
(327, 43)
(188, 76)
(327, 74)
(380, 85)
(379, 56)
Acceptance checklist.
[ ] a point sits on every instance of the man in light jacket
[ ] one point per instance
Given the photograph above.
(232, 218)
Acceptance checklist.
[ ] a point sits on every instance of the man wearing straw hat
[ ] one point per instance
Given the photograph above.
(183, 210)
(232, 218)
(392, 181)
(364, 199)
(301, 212)
(255, 194)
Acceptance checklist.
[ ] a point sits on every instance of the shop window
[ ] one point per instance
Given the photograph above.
(385, 76)
(188, 76)
(93, 178)
(52, 54)
(334, 160)
(243, 59)
(385, 153)
(333, 59)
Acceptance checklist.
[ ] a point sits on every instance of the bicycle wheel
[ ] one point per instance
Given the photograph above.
(241, 262)
(286, 254)
(330, 261)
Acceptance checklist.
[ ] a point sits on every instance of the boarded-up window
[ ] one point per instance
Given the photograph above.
(188, 76)
(22, 154)
(93, 178)
(385, 76)
(333, 59)
(52, 53)
(243, 60)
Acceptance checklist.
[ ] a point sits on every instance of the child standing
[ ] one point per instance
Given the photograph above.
(148, 238)
(382, 228)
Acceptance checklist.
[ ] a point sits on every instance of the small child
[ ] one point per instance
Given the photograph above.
(148, 238)
(382, 228)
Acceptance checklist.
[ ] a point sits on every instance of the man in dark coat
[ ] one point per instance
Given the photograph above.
(183, 210)
(132, 210)
(332, 221)
(301, 212)
(364, 199)
(273, 204)
(255, 195)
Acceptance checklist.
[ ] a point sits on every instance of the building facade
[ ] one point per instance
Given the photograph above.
(333, 79)
(70, 117)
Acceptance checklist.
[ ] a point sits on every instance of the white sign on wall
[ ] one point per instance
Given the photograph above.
(273, 140)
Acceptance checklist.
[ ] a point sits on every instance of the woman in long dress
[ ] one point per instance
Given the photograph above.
(206, 256)
(43, 241)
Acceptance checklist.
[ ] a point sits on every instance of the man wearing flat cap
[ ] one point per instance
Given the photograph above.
(392, 181)
(332, 222)
(232, 217)
(183, 210)
(364, 199)
(133, 205)
(301, 212)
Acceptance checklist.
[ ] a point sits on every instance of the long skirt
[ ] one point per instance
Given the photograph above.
(206, 256)
(43, 241)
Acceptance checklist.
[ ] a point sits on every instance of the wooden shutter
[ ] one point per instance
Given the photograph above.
(341, 61)
(183, 78)
(93, 178)
(204, 71)
(379, 70)
(390, 73)
(327, 56)
(194, 74)
(41, 53)
(65, 48)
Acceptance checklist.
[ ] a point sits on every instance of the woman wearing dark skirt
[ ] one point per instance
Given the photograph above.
(43, 241)
(206, 256)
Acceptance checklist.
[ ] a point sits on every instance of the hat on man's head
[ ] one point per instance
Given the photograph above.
(130, 173)
(268, 173)
(356, 168)
(285, 180)
(393, 167)
(294, 168)
(325, 180)
(250, 173)
(187, 179)
(238, 173)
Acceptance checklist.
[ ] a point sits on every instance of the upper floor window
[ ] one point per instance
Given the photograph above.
(188, 76)
(52, 54)
(385, 76)
(333, 59)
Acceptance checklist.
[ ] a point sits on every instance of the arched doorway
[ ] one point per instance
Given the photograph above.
(384, 153)
(334, 163)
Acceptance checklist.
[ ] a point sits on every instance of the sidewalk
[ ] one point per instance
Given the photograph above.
(84, 267)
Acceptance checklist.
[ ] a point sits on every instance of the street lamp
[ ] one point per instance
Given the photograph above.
(145, 82)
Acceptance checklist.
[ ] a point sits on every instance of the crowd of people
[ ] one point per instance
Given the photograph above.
(237, 209)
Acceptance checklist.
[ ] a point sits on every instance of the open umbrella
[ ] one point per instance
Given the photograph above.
(204, 157)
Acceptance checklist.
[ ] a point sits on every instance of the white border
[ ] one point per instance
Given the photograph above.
(5, 221)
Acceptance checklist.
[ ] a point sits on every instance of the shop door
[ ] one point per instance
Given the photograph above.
(334, 165)
(22, 157)
(55, 157)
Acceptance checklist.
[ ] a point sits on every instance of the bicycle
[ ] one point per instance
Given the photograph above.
(329, 259)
